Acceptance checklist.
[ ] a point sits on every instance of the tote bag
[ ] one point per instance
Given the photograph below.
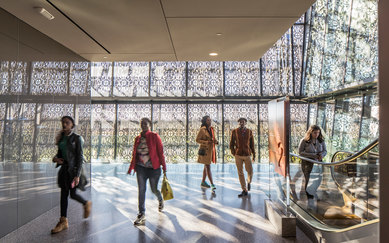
(166, 189)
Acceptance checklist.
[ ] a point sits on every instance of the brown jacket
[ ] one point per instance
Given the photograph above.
(240, 144)
(204, 139)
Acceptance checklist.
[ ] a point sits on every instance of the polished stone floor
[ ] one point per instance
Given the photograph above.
(194, 215)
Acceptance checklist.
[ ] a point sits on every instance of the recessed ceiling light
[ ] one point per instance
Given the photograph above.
(45, 13)
(213, 54)
(104, 57)
(219, 34)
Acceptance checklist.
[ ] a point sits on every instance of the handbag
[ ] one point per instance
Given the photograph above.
(83, 181)
(166, 189)
(201, 151)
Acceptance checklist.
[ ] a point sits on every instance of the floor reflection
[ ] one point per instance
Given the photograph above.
(194, 215)
(331, 204)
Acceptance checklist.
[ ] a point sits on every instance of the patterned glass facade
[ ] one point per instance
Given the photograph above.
(169, 121)
(128, 127)
(79, 80)
(29, 129)
(168, 79)
(298, 122)
(13, 77)
(348, 124)
(44, 82)
(343, 45)
(178, 125)
(370, 120)
(130, 79)
(34, 96)
(103, 132)
(101, 79)
(205, 79)
(277, 68)
(332, 46)
(242, 79)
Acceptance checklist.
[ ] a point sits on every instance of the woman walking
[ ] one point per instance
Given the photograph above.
(207, 151)
(147, 159)
(311, 146)
(70, 157)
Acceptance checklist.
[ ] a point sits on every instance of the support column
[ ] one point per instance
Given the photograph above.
(383, 85)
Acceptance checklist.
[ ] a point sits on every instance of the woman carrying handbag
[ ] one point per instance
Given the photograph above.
(147, 159)
(207, 151)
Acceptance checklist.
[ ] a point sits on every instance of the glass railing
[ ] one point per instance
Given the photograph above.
(341, 193)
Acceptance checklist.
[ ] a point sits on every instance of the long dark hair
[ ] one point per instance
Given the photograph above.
(60, 133)
(204, 121)
(308, 134)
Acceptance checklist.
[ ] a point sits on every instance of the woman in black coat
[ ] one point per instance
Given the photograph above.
(70, 157)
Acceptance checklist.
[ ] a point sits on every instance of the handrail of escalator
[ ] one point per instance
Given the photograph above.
(338, 152)
(344, 161)
(345, 191)
(348, 193)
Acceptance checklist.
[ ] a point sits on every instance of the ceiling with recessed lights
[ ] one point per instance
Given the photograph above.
(162, 30)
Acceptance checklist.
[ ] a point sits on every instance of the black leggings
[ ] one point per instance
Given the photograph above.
(64, 199)
(306, 167)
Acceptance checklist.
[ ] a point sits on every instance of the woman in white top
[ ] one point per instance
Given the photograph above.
(311, 146)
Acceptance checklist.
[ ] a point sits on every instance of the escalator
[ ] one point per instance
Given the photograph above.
(345, 202)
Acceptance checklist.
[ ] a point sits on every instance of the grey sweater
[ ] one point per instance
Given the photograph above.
(310, 150)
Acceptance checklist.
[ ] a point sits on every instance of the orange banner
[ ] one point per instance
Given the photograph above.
(279, 124)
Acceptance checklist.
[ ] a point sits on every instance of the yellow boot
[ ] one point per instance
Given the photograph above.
(62, 225)
(87, 209)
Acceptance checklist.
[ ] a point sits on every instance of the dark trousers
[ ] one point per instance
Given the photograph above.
(306, 167)
(64, 199)
(142, 174)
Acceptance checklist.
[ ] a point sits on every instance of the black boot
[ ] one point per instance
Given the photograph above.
(243, 194)
(309, 195)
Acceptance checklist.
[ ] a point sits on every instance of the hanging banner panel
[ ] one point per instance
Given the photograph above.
(279, 130)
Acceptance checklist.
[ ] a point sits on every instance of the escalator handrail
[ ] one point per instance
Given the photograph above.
(338, 152)
(344, 161)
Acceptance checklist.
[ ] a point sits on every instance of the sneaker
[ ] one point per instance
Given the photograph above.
(205, 184)
(213, 187)
(243, 194)
(140, 219)
(161, 205)
(248, 186)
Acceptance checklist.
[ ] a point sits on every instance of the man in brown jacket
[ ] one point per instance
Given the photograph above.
(242, 147)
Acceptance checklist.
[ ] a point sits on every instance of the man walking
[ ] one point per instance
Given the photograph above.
(242, 147)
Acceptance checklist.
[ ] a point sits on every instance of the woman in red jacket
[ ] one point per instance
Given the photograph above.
(147, 159)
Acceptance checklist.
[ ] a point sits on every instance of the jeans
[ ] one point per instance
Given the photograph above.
(64, 180)
(64, 199)
(142, 174)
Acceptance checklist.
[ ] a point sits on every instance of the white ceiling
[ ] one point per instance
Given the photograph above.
(163, 30)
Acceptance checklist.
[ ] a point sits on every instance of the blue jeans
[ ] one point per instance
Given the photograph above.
(142, 174)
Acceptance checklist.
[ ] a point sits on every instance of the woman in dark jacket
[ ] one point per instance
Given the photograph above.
(312, 146)
(70, 157)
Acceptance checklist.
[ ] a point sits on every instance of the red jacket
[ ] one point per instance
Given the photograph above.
(154, 144)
